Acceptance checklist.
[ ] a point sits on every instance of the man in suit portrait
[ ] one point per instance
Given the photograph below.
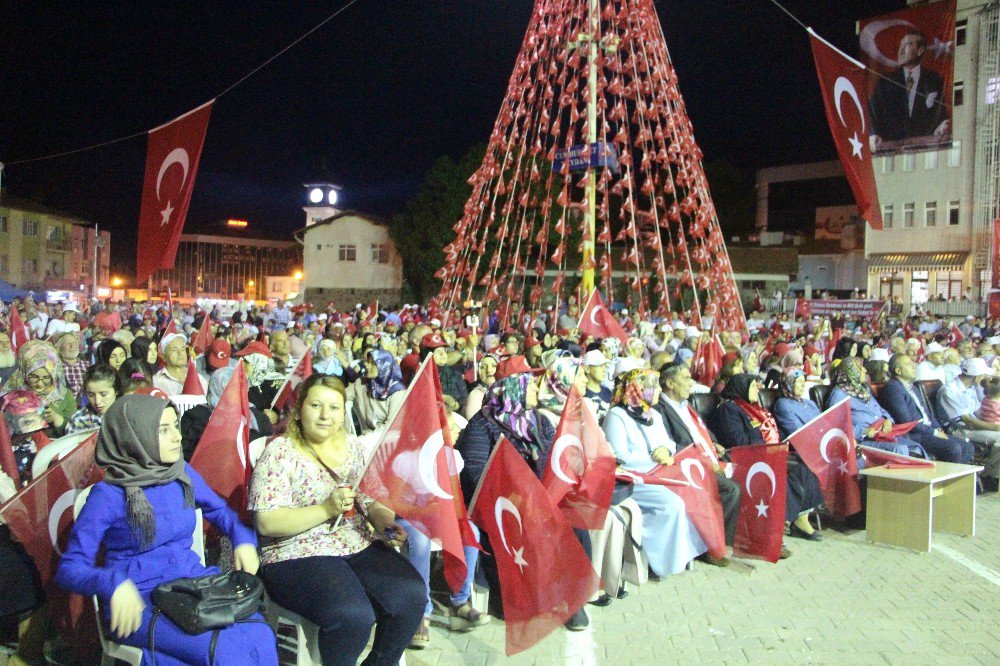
(910, 101)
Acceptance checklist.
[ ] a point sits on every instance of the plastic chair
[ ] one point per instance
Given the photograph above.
(186, 402)
(306, 642)
(112, 651)
(57, 450)
(820, 394)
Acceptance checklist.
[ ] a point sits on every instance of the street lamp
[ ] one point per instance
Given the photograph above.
(116, 281)
(298, 275)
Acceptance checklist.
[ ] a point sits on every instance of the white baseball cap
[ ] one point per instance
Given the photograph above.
(879, 354)
(934, 347)
(594, 357)
(692, 332)
(976, 367)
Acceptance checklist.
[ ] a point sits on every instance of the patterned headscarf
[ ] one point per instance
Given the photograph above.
(39, 355)
(613, 345)
(559, 378)
(634, 347)
(260, 370)
(390, 377)
(634, 392)
(505, 405)
(788, 378)
(850, 377)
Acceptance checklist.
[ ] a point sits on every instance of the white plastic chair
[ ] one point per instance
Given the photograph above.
(185, 402)
(110, 649)
(57, 450)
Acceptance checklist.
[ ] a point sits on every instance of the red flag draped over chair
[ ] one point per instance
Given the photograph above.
(192, 382)
(545, 576)
(597, 321)
(172, 157)
(826, 445)
(223, 452)
(413, 472)
(580, 475)
(285, 397)
(761, 472)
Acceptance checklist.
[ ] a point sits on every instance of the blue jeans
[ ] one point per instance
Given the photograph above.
(419, 554)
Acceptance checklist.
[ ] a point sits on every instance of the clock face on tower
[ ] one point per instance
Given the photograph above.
(323, 194)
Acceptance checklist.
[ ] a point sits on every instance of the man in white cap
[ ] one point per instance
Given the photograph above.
(66, 323)
(958, 402)
(596, 368)
(930, 367)
(170, 379)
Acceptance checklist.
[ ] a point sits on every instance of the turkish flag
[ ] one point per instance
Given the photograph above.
(761, 471)
(545, 576)
(877, 457)
(19, 331)
(845, 97)
(954, 335)
(204, 337)
(192, 382)
(223, 452)
(40, 518)
(701, 497)
(898, 430)
(835, 335)
(826, 445)
(580, 474)
(8, 464)
(707, 361)
(172, 157)
(597, 321)
(413, 472)
(285, 397)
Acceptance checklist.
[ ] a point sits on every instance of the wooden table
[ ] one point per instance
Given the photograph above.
(905, 506)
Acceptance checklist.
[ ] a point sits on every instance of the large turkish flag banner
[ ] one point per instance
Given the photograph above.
(761, 471)
(172, 157)
(597, 321)
(842, 80)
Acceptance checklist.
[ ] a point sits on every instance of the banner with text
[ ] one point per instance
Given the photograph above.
(814, 307)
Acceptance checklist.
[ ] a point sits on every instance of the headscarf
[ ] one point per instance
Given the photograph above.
(217, 384)
(390, 377)
(613, 345)
(559, 378)
(788, 378)
(505, 405)
(128, 449)
(850, 377)
(260, 370)
(738, 390)
(34, 355)
(635, 348)
(107, 347)
(633, 396)
(792, 359)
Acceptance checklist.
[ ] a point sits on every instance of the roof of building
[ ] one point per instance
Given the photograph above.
(237, 240)
(374, 219)
(29, 206)
(927, 261)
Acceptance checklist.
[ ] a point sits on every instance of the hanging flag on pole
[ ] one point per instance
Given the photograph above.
(845, 97)
(597, 321)
(172, 157)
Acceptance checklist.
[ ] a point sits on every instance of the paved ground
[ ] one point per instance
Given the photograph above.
(842, 601)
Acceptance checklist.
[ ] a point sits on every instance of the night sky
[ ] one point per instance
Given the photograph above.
(369, 101)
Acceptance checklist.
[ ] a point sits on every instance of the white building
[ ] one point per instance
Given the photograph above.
(938, 206)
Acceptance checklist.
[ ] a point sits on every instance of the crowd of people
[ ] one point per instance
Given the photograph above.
(347, 563)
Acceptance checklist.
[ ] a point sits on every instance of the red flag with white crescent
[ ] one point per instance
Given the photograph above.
(845, 97)
(414, 472)
(285, 397)
(707, 362)
(761, 472)
(19, 331)
(827, 447)
(954, 335)
(580, 474)
(172, 157)
(545, 575)
(204, 337)
(597, 321)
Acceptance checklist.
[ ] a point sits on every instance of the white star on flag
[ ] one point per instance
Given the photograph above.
(842, 466)
(762, 509)
(519, 558)
(855, 146)
(166, 213)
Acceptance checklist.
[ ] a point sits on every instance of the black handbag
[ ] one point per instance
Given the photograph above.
(208, 603)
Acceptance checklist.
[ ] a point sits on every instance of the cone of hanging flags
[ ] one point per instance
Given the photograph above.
(545, 576)
(761, 472)
(826, 445)
(845, 98)
(707, 361)
(204, 337)
(413, 472)
(19, 331)
(877, 458)
(192, 382)
(285, 397)
(223, 452)
(580, 474)
(597, 321)
(8, 463)
(172, 155)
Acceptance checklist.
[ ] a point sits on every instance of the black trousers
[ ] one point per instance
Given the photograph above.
(20, 585)
(729, 495)
(345, 596)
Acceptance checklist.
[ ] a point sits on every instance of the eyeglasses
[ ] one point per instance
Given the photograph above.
(39, 380)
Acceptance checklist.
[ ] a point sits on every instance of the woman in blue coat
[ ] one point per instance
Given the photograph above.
(143, 515)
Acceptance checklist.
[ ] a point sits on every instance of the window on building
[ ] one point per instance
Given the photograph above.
(29, 227)
(29, 266)
(319, 247)
(348, 253)
(930, 214)
(992, 89)
(380, 253)
(955, 154)
(953, 215)
(888, 163)
(961, 27)
(948, 284)
(887, 213)
(908, 215)
(931, 159)
(909, 162)
(918, 287)
(958, 93)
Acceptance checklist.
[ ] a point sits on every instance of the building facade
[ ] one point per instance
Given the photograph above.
(938, 206)
(45, 249)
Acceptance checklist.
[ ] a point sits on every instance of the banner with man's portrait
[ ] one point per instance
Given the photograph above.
(911, 59)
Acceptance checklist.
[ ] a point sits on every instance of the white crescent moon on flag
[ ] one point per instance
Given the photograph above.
(504, 504)
(765, 469)
(427, 464)
(869, 34)
(176, 156)
(593, 314)
(844, 85)
(831, 434)
(239, 441)
(686, 465)
(555, 457)
(64, 502)
(635, 479)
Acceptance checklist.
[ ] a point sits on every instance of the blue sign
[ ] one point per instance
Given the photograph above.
(601, 155)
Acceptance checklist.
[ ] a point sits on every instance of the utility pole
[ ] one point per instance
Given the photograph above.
(97, 242)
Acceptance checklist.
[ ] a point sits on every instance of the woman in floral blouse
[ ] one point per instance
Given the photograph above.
(325, 551)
